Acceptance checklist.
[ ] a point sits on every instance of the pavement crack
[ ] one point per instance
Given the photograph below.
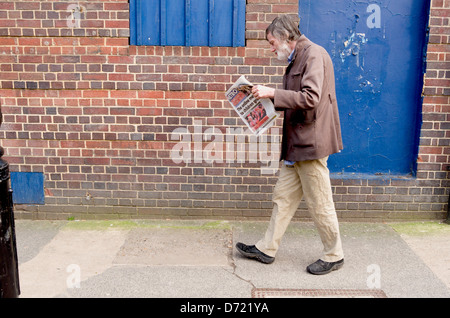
(234, 267)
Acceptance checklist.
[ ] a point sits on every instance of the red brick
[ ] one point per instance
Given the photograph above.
(72, 144)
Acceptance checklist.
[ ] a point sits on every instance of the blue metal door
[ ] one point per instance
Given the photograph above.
(378, 49)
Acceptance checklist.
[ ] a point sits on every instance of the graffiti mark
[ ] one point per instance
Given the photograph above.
(352, 46)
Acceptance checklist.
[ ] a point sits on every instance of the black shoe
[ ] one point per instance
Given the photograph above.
(251, 251)
(321, 267)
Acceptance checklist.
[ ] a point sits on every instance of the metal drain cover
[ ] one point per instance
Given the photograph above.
(317, 293)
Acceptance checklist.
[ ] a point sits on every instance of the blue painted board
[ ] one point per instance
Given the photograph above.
(28, 187)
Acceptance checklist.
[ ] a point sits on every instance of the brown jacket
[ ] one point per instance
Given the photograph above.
(311, 128)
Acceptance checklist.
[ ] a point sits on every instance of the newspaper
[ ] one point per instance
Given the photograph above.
(258, 114)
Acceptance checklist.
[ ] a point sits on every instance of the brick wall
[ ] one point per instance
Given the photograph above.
(434, 152)
(101, 120)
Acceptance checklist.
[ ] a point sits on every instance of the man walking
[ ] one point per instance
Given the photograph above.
(311, 132)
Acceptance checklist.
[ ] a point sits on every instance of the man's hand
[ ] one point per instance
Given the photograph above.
(260, 91)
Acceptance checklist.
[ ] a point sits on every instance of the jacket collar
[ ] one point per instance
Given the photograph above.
(302, 43)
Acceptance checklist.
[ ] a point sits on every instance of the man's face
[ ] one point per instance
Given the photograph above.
(280, 48)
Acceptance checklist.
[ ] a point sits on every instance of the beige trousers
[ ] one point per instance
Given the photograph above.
(309, 180)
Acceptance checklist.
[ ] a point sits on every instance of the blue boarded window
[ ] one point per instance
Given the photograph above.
(187, 22)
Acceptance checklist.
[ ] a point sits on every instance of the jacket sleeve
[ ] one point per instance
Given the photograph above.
(303, 90)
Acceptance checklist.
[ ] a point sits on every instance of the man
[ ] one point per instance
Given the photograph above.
(311, 132)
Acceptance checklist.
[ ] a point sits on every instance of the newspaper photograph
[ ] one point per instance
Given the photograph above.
(258, 114)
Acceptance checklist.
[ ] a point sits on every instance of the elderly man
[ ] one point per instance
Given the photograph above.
(311, 132)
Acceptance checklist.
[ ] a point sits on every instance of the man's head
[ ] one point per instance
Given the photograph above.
(282, 33)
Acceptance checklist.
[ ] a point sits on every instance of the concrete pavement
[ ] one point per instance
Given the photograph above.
(197, 259)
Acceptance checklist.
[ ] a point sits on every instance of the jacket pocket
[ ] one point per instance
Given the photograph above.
(305, 135)
(302, 116)
(294, 81)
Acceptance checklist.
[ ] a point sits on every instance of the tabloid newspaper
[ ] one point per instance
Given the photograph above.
(258, 114)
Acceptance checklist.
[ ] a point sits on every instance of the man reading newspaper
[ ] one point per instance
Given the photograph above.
(311, 132)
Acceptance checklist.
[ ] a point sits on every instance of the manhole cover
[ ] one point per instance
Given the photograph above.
(317, 293)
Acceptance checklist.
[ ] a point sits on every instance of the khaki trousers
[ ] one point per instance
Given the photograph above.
(309, 180)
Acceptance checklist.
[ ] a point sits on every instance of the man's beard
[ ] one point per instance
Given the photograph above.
(283, 52)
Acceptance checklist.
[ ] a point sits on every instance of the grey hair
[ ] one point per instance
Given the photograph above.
(284, 28)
